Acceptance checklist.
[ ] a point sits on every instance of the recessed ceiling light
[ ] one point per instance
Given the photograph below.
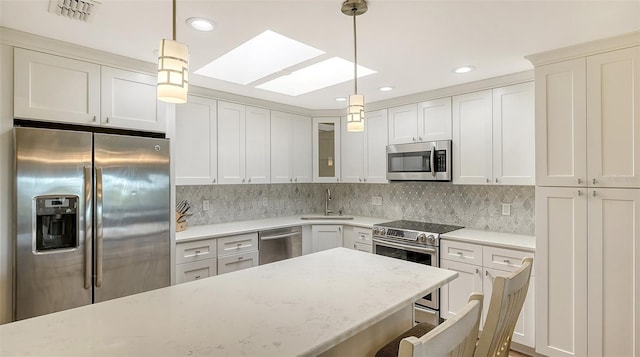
(341, 99)
(464, 69)
(317, 76)
(265, 54)
(385, 89)
(201, 24)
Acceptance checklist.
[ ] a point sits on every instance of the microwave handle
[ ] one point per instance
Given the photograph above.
(432, 161)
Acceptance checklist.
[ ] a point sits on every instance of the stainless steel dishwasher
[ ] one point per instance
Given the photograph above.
(279, 244)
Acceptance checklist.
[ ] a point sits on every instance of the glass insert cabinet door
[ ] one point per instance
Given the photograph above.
(326, 149)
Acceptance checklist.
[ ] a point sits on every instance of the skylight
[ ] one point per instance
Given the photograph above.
(317, 76)
(265, 54)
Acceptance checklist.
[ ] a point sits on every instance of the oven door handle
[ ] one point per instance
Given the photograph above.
(404, 247)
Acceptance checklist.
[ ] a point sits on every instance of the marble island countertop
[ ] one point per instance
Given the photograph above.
(297, 307)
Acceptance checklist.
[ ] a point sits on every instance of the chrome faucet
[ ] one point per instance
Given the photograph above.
(327, 211)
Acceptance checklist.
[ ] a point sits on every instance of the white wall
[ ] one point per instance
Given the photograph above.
(6, 183)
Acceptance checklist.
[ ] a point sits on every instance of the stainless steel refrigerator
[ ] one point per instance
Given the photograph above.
(93, 218)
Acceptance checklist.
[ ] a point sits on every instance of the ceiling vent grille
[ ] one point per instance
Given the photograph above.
(82, 10)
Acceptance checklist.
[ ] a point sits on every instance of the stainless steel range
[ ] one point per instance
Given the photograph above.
(418, 242)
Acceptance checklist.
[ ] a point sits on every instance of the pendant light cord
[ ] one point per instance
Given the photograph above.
(174, 20)
(355, 52)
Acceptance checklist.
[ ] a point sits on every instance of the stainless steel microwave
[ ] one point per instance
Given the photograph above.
(424, 161)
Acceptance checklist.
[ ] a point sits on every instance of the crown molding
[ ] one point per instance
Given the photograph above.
(501, 81)
(626, 40)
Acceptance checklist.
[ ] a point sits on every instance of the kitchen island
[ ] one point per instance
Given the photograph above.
(321, 303)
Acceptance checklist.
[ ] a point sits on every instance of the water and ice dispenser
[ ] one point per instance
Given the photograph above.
(56, 223)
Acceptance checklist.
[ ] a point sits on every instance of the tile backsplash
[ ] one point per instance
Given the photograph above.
(477, 207)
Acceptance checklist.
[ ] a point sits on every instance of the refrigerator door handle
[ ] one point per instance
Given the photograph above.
(87, 227)
(99, 225)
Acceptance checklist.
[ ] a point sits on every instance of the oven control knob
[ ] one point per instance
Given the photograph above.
(383, 231)
(431, 239)
(376, 231)
(422, 238)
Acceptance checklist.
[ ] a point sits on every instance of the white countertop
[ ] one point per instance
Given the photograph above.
(297, 307)
(231, 228)
(497, 239)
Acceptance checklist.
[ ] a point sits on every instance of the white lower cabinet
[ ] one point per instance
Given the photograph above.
(195, 270)
(237, 252)
(477, 266)
(326, 236)
(358, 238)
(208, 257)
(195, 260)
(235, 262)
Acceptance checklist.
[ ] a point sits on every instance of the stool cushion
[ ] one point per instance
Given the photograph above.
(391, 348)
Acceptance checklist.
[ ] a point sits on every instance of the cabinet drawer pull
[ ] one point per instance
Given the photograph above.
(197, 277)
(460, 254)
(239, 258)
(197, 252)
(507, 261)
(239, 244)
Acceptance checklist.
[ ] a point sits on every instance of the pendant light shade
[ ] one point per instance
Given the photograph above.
(173, 68)
(355, 114)
(355, 111)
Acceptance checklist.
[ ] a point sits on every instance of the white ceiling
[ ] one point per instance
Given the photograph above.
(413, 45)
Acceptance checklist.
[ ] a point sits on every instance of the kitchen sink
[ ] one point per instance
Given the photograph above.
(321, 216)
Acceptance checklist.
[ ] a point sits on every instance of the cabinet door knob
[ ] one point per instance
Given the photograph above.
(337, 179)
(296, 179)
(290, 180)
(594, 181)
(364, 179)
(594, 193)
(413, 139)
(419, 138)
(497, 180)
(579, 193)
(579, 181)
(488, 181)
(94, 118)
(214, 180)
(242, 180)
(107, 121)
(249, 180)
(477, 271)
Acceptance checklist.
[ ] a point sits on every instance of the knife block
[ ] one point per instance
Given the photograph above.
(180, 226)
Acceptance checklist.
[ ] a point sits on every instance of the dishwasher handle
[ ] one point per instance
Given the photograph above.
(279, 236)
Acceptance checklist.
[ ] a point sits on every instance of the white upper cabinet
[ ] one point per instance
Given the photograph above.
(472, 138)
(434, 120)
(376, 134)
(258, 145)
(52, 88)
(588, 122)
(513, 135)
(403, 124)
(561, 124)
(195, 142)
(326, 149)
(129, 101)
(613, 118)
(243, 144)
(364, 153)
(290, 148)
(493, 136)
(425, 121)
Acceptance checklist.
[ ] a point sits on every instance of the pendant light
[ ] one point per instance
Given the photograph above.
(173, 68)
(355, 111)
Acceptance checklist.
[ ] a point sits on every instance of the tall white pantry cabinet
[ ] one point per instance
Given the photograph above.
(588, 199)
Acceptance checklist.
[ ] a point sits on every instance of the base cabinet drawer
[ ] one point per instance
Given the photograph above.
(195, 270)
(362, 235)
(237, 244)
(504, 259)
(363, 247)
(196, 250)
(461, 252)
(236, 262)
